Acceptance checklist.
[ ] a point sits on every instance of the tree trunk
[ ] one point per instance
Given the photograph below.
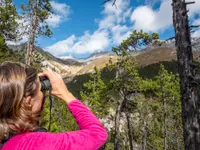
(165, 124)
(188, 86)
(31, 41)
(144, 136)
(129, 130)
(117, 115)
(117, 124)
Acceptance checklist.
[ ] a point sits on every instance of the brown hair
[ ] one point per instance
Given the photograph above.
(16, 82)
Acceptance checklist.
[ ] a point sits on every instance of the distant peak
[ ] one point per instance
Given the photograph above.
(67, 57)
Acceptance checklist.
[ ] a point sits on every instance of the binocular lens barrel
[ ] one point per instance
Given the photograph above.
(45, 83)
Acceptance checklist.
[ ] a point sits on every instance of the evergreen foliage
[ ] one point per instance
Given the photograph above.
(94, 92)
(35, 14)
(137, 41)
(8, 21)
(154, 103)
(8, 27)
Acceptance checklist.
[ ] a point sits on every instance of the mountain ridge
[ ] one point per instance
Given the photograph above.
(71, 66)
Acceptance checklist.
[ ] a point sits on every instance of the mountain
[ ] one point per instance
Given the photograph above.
(170, 43)
(90, 58)
(148, 63)
(69, 66)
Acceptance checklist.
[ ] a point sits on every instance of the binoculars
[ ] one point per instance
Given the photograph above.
(45, 83)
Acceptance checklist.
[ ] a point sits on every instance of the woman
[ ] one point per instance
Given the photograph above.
(20, 106)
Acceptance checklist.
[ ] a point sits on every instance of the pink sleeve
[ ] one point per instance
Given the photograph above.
(91, 136)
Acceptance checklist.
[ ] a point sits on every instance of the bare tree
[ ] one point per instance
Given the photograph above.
(187, 73)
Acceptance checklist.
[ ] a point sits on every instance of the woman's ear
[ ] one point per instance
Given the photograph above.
(28, 101)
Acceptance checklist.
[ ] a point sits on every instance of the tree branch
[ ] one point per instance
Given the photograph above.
(106, 1)
(171, 38)
(188, 3)
(114, 2)
(194, 26)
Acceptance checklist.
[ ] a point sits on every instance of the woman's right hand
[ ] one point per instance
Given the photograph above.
(59, 88)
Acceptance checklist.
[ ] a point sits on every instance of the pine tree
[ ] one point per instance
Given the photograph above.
(8, 23)
(36, 13)
(167, 90)
(127, 81)
(94, 91)
(8, 29)
(137, 40)
(142, 128)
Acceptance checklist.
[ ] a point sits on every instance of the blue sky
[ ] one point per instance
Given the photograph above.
(81, 28)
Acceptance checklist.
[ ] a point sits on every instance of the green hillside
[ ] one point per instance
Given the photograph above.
(150, 71)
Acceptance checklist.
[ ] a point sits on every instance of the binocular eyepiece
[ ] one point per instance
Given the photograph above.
(45, 83)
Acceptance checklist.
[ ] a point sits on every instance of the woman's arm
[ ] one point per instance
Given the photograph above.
(92, 135)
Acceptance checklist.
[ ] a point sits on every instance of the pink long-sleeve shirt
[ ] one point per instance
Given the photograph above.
(91, 136)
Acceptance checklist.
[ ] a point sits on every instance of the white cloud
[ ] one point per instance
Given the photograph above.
(88, 43)
(114, 20)
(110, 31)
(92, 42)
(121, 5)
(120, 33)
(114, 26)
(147, 19)
(54, 20)
(143, 18)
(107, 22)
(61, 8)
(61, 14)
(150, 20)
(196, 22)
(115, 15)
(127, 15)
(62, 47)
(196, 33)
